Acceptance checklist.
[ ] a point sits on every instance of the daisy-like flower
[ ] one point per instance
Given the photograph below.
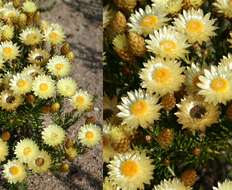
(21, 84)
(54, 34)
(32, 70)
(173, 184)
(38, 56)
(41, 163)
(107, 15)
(216, 85)
(3, 150)
(81, 100)
(53, 135)
(131, 170)
(29, 7)
(10, 101)
(9, 51)
(9, 13)
(162, 76)
(195, 25)
(146, 21)
(43, 86)
(168, 6)
(226, 61)
(26, 150)
(66, 87)
(224, 7)
(226, 185)
(31, 36)
(167, 43)
(195, 114)
(89, 135)
(192, 74)
(14, 171)
(139, 108)
(59, 66)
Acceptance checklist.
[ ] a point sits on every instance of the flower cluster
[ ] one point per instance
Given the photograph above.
(179, 84)
(35, 69)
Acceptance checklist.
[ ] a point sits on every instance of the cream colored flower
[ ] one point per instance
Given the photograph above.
(168, 6)
(167, 43)
(171, 184)
(226, 185)
(43, 86)
(146, 21)
(54, 34)
(41, 163)
(10, 101)
(31, 36)
(131, 170)
(195, 25)
(53, 135)
(224, 7)
(89, 135)
(21, 84)
(162, 76)
(59, 66)
(66, 87)
(14, 171)
(9, 51)
(82, 100)
(26, 150)
(139, 109)
(216, 85)
(195, 114)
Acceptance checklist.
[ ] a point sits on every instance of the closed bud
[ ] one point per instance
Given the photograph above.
(55, 107)
(119, 22)
(137, 44)
(165, 138)
(70, 56)
(6, 135)
(65, 49)
(64, 167)
(189, 177)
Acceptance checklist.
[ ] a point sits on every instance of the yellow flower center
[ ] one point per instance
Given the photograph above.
(43, 87)
(168, 46)
(27, 151)
(195, 26)
(80, 100)
(219, 85)
(21, 83)
(32, 38)
(59, 66)
(149, 21)
(89, 135)
(54, 36)
(14, 170)
(129, 168)
(161, 75)
(139, 108)
(7, 51)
